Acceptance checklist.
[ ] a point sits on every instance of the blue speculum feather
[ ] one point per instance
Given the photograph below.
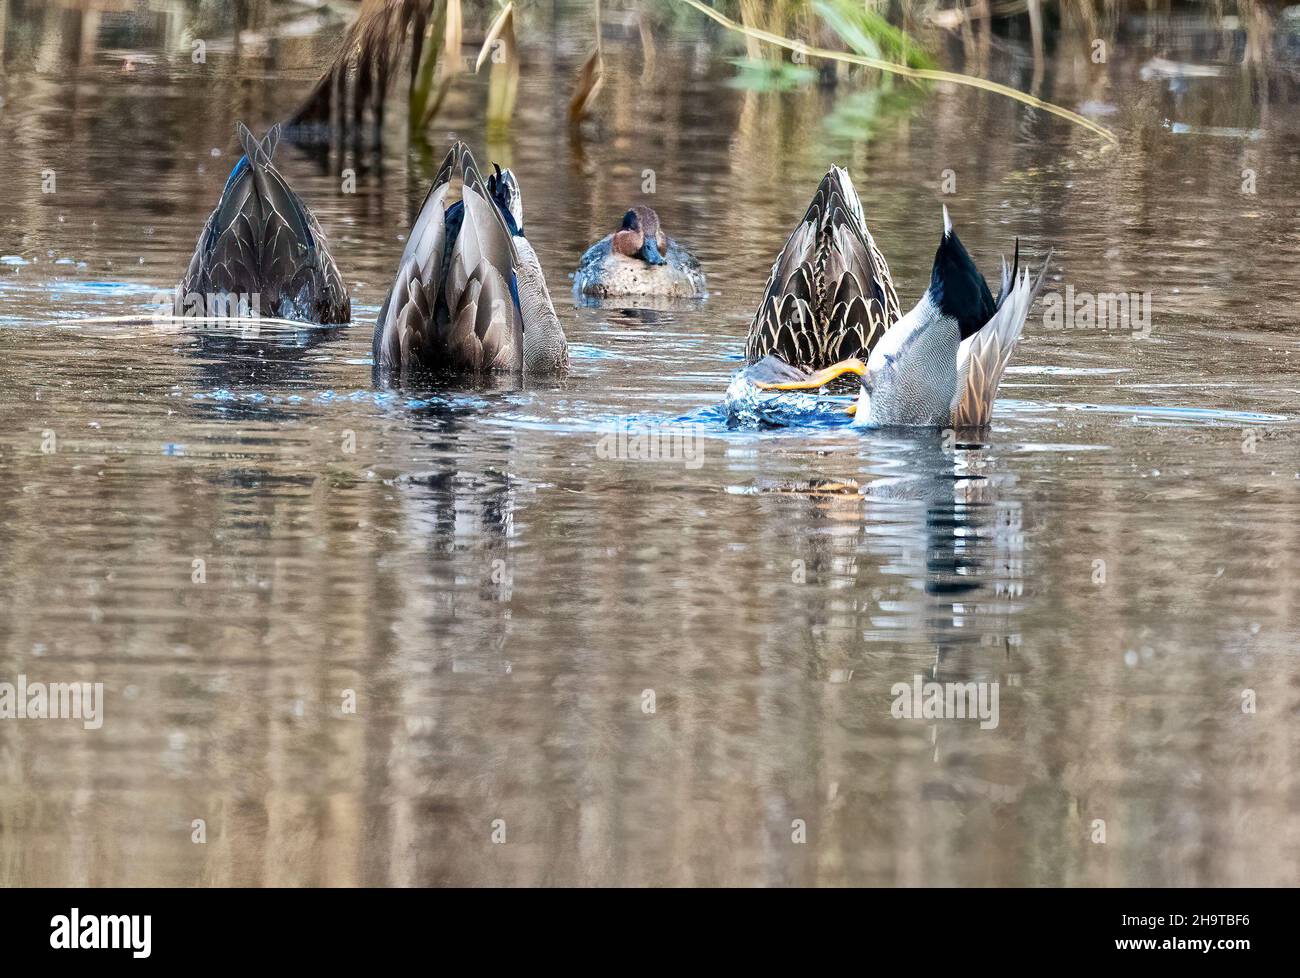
(514, 291)
(242, 164)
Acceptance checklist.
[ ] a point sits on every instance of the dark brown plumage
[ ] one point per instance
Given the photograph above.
(830, 295)
(469, 296)
(261, 241)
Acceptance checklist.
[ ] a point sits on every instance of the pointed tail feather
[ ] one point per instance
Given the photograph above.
(982, 358)
(260, 238)
(448, 165)
(455, 304)
(281, 207)
(247, 140)
(501, 248)
(1009, 275)
(257, 150)
(829, 294)
(405, 327)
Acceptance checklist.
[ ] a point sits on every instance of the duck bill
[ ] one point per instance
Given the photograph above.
(821, 378)
(650, 253)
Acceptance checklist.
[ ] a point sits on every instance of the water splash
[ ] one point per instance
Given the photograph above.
(746, 406)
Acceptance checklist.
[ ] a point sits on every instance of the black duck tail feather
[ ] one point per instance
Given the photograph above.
(259, 152)
(247, 141)
(1008, 275)
(956, 286)
(270, 141)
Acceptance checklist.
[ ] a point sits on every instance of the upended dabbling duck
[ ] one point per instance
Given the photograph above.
(262, 251)
(470, 296)
(639, 259)
(940, 365)
(830, 295)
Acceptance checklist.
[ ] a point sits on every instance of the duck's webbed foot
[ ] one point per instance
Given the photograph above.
(807, 380)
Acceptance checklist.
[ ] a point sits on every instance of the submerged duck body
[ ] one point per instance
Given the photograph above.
(639, 259)
(470, 296)
(262, 252)
(939, 366)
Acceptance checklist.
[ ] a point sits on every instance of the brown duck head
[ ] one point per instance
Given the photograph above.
(641, 237)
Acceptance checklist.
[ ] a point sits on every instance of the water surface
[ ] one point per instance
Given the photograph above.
(1119, 553)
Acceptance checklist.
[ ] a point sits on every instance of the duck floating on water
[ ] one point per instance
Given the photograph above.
(639, 259)
(941, 364)
(262, 252)
(470, 296)
(830, 295)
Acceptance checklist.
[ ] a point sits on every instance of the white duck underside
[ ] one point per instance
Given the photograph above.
(980, 363)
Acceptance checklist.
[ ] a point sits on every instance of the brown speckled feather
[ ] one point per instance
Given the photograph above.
(830, 295)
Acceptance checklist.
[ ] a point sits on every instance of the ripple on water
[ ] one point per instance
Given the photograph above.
(498, 591)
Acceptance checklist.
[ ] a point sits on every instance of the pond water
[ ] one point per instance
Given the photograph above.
(572, 668)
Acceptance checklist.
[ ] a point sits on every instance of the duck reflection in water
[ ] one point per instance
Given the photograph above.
(933, 514)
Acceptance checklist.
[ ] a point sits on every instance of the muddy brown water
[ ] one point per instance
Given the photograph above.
(505, 601)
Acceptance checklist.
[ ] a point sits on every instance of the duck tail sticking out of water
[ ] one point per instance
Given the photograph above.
(262, 248)
(830, 295)
(983, 356)
(469, 296)
(941, 364)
